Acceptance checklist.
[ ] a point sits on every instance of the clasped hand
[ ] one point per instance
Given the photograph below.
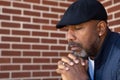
(72, 68)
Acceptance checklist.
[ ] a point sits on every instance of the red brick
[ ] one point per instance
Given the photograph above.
(116, 1)
(4, 60)
(41, 74)
(4, 3)
(10, 67)
(58, 47)
(21, 60)
(4, 75)
(21, 19)
(40, 20)
(117, 15)
(31, 26)
(42, 47)
(65, 5)
(20, 32)
(49, 15)
(108, 3)
(32, 1)
(20, 46)
(11, 11)
(10, 39)
(34, 33)
(55, 60)
(42, 8)
(10, 53)
(49, 67)
(4, 17)
(49, 54)
(46, 2)
(115, 8)
(64, 53)
(31, 67)
(10, 24)
(30, 40)
(31, 53)
(57, 35)
(41, 60)
(110, 17)
(58, 10)
(4, 31)
(44, 40)
(63, 41)
(32, 13)
(55, 74)
(61, 16)
(20, 74)
(117, 29)
(46, 27)
(115, 22)
(54, 22)
(21, 5)
(4, 46)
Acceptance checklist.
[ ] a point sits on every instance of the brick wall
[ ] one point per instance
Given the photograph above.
(30, 45)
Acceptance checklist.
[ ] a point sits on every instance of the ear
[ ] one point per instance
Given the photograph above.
(102, 27)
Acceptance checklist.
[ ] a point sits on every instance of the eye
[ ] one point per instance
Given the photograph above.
(65, 28)
(78, 27)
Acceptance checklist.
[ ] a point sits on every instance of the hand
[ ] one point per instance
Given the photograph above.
(72, 68)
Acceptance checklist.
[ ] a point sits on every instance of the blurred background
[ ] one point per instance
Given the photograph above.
(30, 45)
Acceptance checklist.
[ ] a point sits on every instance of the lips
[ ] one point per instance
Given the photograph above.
(75, 48)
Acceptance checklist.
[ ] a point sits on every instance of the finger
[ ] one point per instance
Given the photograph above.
(67, 60)
(74, 58)
(61, 66)
(83, 62)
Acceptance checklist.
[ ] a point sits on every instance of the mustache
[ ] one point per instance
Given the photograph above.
(70, 44)
(81, 54)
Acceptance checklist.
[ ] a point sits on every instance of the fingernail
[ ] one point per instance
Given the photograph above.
(66, 68)
(71, 63)
(83, 63)
(76, 61)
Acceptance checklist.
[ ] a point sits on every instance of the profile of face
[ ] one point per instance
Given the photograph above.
(85, 36)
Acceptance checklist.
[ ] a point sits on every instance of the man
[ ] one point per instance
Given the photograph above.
(88, 35)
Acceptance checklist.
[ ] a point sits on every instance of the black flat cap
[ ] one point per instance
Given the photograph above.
(82, 11)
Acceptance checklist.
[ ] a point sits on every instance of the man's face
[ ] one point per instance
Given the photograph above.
(84, 36)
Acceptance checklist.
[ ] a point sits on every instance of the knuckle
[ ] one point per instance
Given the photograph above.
(64, 59)
(59, 62)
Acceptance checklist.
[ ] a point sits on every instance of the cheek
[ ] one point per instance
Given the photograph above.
(87, 39)
(90, 40)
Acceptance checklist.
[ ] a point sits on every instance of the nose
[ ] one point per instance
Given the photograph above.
(70, 35)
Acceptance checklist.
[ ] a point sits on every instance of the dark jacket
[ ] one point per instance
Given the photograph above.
(107, 62)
